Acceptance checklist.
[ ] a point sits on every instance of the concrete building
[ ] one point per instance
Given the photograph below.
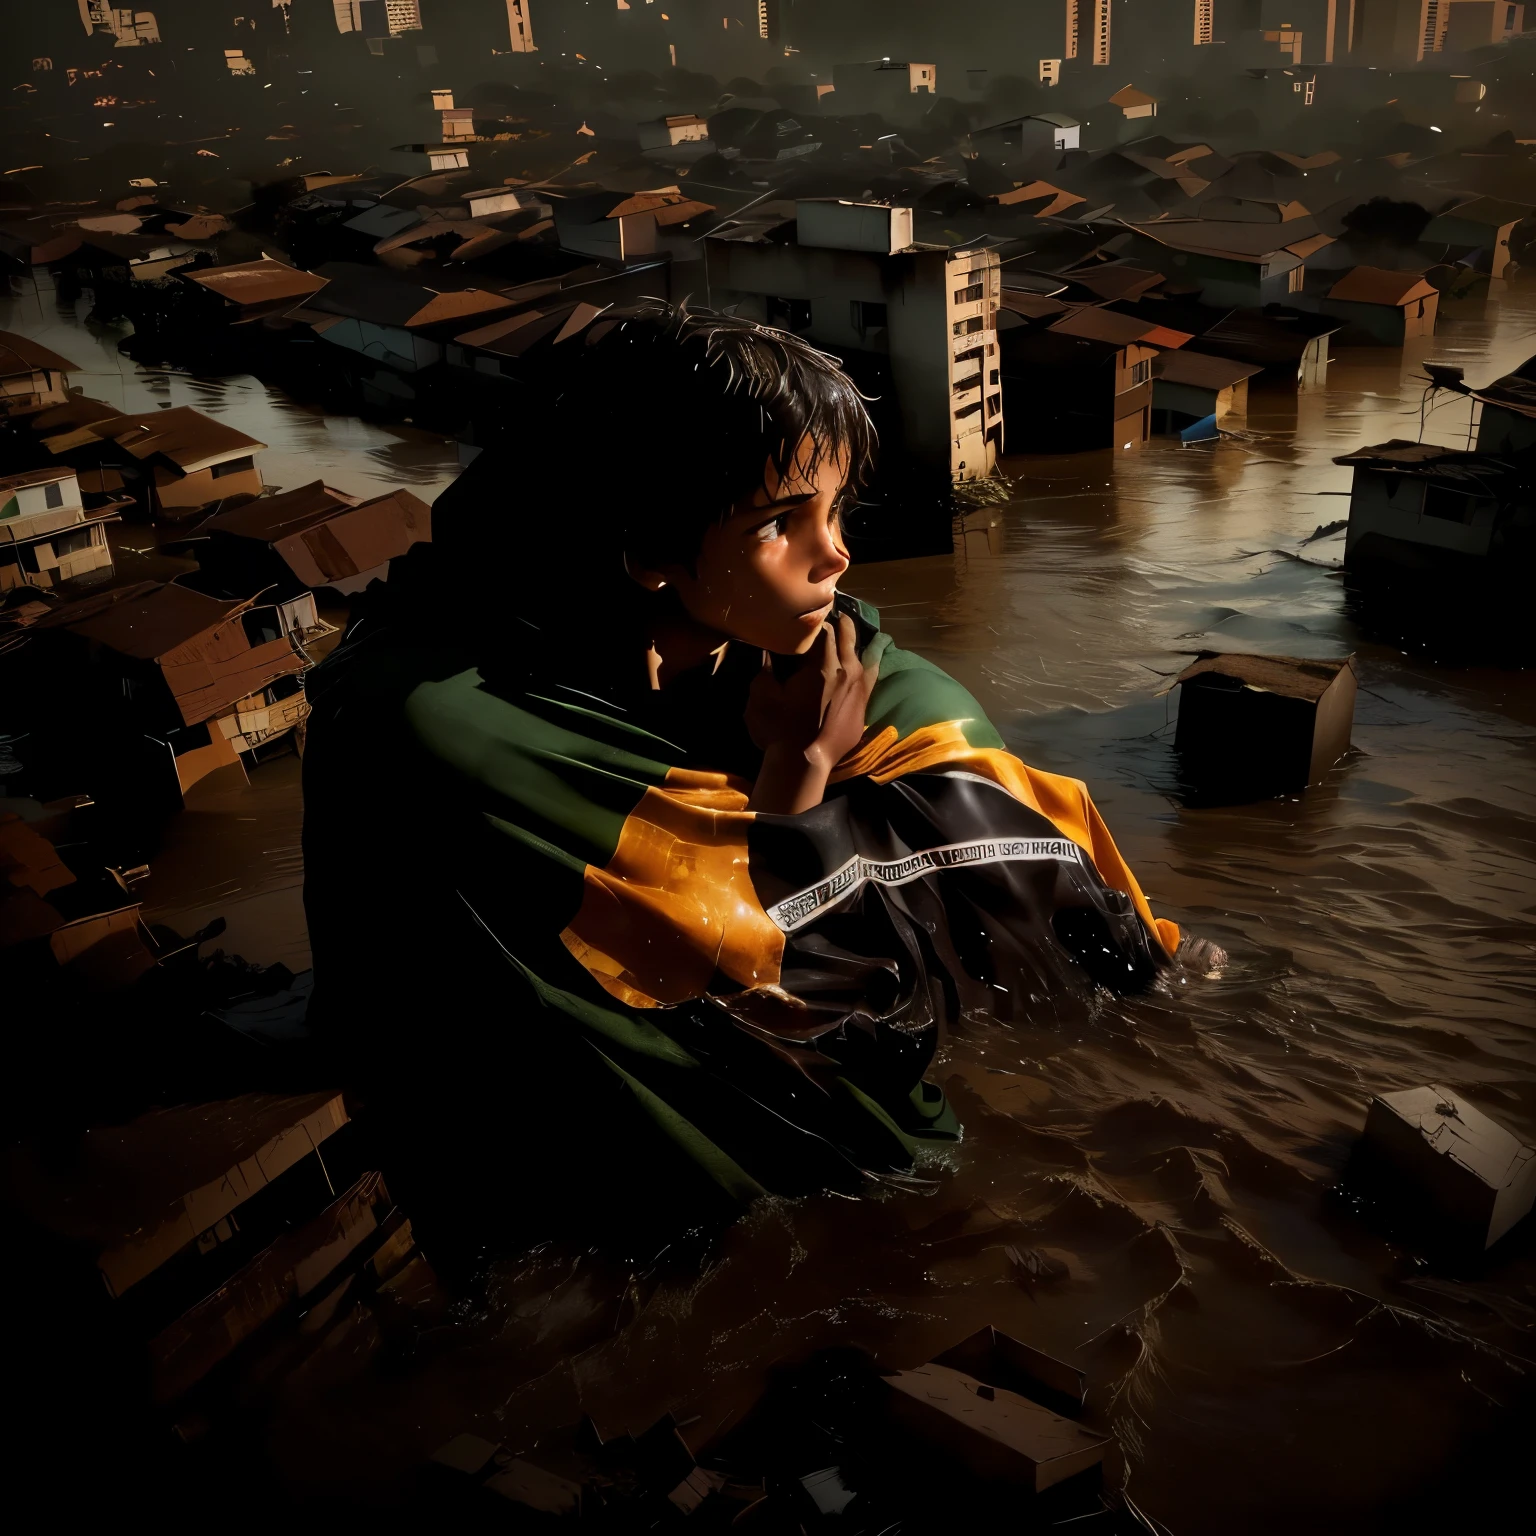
(849, 277)
(46, 535)
(1088, 31)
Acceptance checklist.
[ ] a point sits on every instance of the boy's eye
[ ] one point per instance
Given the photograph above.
(774, 529)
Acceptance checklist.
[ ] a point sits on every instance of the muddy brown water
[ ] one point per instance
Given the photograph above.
(1268, 1362)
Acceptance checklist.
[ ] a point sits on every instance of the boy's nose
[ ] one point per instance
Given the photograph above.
(828, 557)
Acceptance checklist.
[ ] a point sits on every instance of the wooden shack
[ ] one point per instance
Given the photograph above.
(32, 377)
(1382, 308)
(204, 679)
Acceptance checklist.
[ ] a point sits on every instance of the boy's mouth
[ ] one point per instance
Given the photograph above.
(818, 613)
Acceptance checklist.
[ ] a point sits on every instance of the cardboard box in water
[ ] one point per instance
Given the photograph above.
(1477, 1178)
(998, 1435)
(1263, 724)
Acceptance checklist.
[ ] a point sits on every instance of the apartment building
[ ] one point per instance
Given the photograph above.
(849, 277)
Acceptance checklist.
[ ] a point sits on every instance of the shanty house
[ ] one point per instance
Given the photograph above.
(388, 320)
(205, 678)
(669, 132)
(1507, 414)
(1382, 308)
(31, 376)
(884, 86)
(1079, 382)
(849, 276)
(285, 546)
(1475, 232)
(1020, 147)
(182, 460)
(1290, 346)
(620, 226)
(1133, 103)
(1194, 386)
(56, 926)
(46, 535)
(251, 290)
(1423, 507)
(1237, 263)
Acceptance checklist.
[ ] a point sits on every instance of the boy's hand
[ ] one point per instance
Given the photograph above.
(807, 724)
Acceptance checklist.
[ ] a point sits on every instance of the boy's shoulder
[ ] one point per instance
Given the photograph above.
(911, 692)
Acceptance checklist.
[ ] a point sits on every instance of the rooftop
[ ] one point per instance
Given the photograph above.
(1292, 677)
(1376, 285)
(256, 282)
(20, 354)
(189, 439)
(146, 620)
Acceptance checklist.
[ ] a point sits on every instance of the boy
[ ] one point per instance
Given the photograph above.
(639, 861)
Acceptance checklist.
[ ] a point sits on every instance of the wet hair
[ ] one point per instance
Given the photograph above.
(675, 414)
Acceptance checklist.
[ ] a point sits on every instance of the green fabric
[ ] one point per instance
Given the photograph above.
(448, 825)
(911, 692)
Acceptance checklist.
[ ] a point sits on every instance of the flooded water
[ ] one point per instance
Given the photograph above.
(1268, 1362)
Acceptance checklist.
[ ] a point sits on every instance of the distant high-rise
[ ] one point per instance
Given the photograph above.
(402, 16)
(519, 26)
(1088, 29)
(1204, 22)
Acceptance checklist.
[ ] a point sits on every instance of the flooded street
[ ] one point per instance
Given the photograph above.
(1251, 1342)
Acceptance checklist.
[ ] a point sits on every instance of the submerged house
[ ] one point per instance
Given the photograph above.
(1382, 308)
(1474, 232)
(31, 376)
(1238, 263)
(176, 462)
(1081, 380)
(1193, 386)
(47, 536)
(84, 931)
(1418, 506)
(287, 546)
(204, 681)
(621, 226)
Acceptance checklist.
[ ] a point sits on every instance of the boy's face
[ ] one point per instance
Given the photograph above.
(767, 574)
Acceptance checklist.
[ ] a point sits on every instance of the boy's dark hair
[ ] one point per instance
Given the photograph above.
(676, 412)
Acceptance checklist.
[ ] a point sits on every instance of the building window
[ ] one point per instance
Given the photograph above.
(969, 327)
(233, 467)
(1140, 372)
(962, 385)
(1452, 506)
(1295, 279)
(970, 295)
(788, 314)
(867, 316)
(53, 494)
(1203, 22)
(68, 543)
(994, 405)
